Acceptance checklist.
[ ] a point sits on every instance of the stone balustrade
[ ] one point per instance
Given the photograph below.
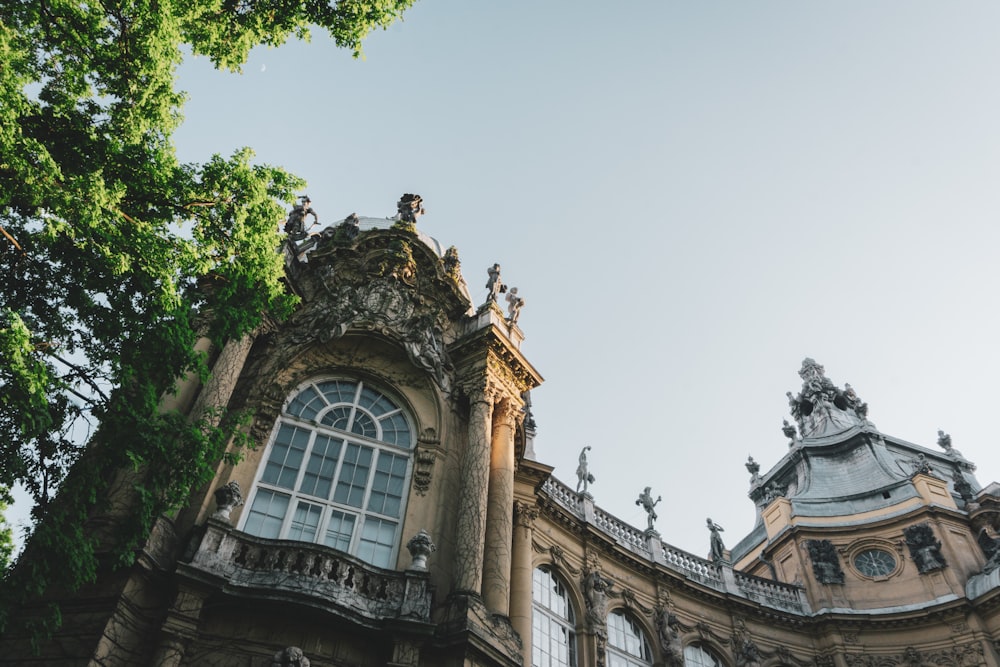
(242, 564)
(646, 544)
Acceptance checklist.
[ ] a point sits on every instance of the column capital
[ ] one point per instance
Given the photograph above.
(525, 514)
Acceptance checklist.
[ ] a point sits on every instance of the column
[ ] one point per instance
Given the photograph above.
(500, 510)
(472, 496)
(521, 575)
(225, 372)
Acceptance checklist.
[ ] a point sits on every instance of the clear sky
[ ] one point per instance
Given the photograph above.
(691, 197)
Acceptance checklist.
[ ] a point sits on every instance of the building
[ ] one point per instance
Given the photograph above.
(394, 512)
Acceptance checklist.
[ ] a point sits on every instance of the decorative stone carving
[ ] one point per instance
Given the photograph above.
(227, 498)
(425, 347)
(789, 430)
(514, 305)
(529, 419)
(962, 486)
(921, 465)
(821, 408)
(754, 469)
(452, 265)
(596, 589)
(290, 657)
(717, 549)
(668, 631)
(826, 565)
(409, 208)
(558, 556)
(349, 228)
(299, 237)
(744, 649)
(925, 549)
(771, 491)
(646, 500)
(494, 285)
(583, 475)
(423, 470)
(632, 602)
(525, 514)
(399, 263)
(420, 547)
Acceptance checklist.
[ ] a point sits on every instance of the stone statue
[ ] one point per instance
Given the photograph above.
(944, 442)
(647, 502)
(668, 628)
(494, 284)
(754, 469)
(409, 208)
(821, 408)
(297, 231)
(596, 589)
(717, 549)
(583, 475)
(514, 304)
(290, 657)
(351, 226)
(921, 465)
(925, 549)
(825, 564)
(452, 265)
(747, 653)
(788, 430)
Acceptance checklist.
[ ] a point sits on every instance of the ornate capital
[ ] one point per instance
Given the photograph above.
(525, 514)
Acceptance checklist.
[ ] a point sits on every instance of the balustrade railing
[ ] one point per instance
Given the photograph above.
(768, 593)
(276, 568)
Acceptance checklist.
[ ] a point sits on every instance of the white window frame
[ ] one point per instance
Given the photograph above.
(313, 429)
(543, 614)
(622, 654)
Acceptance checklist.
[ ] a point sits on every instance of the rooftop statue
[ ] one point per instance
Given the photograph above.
(647, 502)
(494, 284)
(822, 409)
(583, 475)
(717, 549)
(754, 469)
(514, 304)
(944, 442)
(409, 208)
(789, 430)
(299, 236)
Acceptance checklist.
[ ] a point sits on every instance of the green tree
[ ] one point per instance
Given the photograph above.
(115, 256)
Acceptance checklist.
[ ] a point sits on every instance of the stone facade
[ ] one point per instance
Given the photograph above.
(868, 550)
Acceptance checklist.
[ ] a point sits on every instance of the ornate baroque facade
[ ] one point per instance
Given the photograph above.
(394, 512)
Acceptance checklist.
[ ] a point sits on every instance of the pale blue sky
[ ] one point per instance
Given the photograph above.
(691, 197)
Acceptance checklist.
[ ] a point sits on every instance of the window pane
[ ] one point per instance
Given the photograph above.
(318, 477)
(374, 402)
(395, 430)
(364, 425)
(354, 475)
(387, 487)
(265, 516)
(337, 417)
(339, 391)
(304, 523)
(339, 530)
(286, 456)
(625, 635)
(377, 539)
(553, 640)
(306, 404)
(696, 656)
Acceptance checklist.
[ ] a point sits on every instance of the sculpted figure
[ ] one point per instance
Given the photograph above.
(514, 304)
(583, 475)
(296, 229)
(647, 502)
(596, 588)
(494, 285)
(669, 631)
(290, 657)
(754, 469)
(717, 549)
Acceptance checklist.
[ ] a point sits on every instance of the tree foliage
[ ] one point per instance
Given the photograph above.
(116, 256)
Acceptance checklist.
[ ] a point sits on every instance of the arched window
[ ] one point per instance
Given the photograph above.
(336, 471)
(698, 656)
(627, 644)
(553, 638)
